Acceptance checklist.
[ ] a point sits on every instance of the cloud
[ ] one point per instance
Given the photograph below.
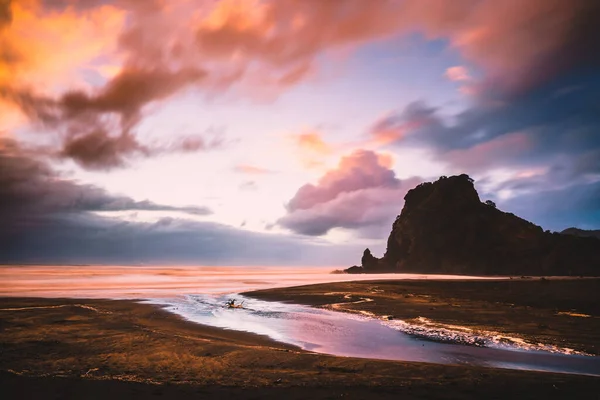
(248, 185)
(251, 169)
(311, 148)
(361, 192)
(96, 123)
(395, 126)
(461, 74)
(497, 152)
(519, 45)
(540, 128)
(541, 142)
(31, 193)
(217, 46)
(46, 218)
(312, 142)
(285, 37)
(127, 93)
(458, 73)
(91, 239)
(558, 205)
(39, 47)
(5, 13)
(98, 150)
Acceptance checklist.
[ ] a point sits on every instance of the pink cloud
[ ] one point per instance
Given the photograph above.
(361, 191)
(312, 142)
(458, 73)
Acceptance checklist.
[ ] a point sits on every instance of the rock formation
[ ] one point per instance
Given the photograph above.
(445, 228)
(581, 232)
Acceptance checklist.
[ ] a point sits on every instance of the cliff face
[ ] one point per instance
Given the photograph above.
(445, 228)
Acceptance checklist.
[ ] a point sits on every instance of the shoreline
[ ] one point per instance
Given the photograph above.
(122, 348)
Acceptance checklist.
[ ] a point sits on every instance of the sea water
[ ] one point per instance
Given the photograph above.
(343, 334)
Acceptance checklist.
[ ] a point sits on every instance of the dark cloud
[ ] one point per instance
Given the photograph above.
(360, 193)
(31, 193)
(98, 150)
(90, 239)
(98, 129)
(555, 207)
(530, 130)
(544, 141)
(127, 93)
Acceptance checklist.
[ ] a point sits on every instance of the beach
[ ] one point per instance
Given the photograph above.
(94, 348)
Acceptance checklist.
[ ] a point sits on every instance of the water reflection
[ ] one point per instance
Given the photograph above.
(344, 334)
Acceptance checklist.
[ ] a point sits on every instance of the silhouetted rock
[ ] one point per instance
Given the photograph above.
(445, 228)
(581, 232)
(368, 261)
(355, 269)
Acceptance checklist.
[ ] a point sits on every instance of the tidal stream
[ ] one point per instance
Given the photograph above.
(348, 335)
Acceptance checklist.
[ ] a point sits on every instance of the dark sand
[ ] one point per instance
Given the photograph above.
(97, 349)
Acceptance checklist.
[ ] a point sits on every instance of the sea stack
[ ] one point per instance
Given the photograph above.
(445, 228)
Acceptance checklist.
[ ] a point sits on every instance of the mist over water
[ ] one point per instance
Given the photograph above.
(141, 282)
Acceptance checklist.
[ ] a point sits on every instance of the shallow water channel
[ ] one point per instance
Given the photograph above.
(349, 335)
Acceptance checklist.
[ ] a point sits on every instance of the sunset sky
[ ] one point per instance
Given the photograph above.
(284, 132)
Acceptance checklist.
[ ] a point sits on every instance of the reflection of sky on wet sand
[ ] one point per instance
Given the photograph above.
(157, 281)
(348, 335)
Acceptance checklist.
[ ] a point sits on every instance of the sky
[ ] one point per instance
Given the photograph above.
(284, 132)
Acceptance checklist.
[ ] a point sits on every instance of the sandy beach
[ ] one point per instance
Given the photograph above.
(76, 348)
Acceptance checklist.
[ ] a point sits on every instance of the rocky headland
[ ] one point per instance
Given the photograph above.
(445, 228)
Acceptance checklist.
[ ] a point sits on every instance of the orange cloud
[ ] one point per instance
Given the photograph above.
(312, 150)
(312, 142)
(46, 48)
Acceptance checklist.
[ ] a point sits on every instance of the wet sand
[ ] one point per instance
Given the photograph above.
(66, 348)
